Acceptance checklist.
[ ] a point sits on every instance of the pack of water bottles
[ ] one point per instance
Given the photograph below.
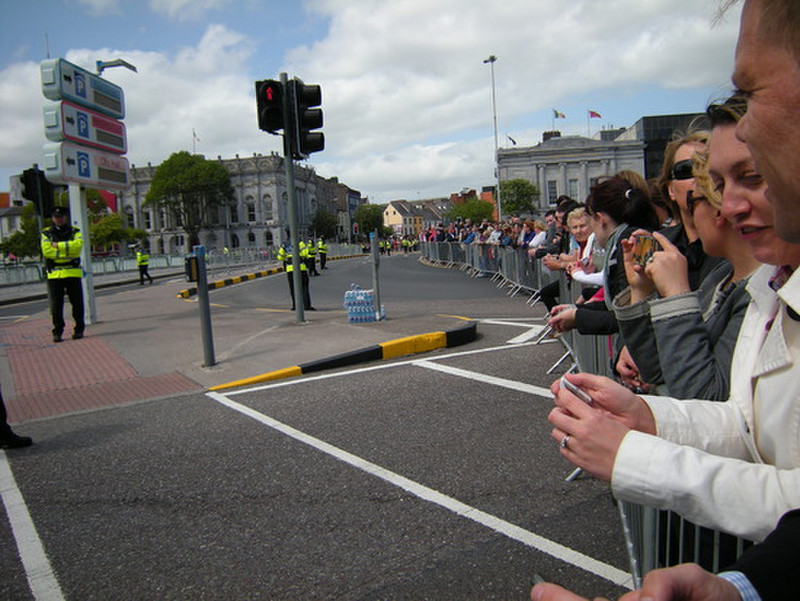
(360, 305)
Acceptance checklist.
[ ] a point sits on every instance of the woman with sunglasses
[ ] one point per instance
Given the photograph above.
(734, 465)
(674, 182)
(682, 341)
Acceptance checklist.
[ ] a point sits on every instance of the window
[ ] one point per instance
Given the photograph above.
(148, 220)
(267, 200)
(552, 191)
(234, 214)
(251, 238)
(251, 212)
(268, 238)
(572, 188)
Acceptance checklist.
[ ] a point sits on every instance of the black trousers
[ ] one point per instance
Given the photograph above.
(5, 429)
(143, 273)
(323, 257)
(306, 293)
(57, 288)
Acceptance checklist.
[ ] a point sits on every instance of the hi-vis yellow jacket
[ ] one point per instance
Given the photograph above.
(61, 249)
(285, 255)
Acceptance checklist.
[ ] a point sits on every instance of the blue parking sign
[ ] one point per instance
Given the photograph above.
(84, 164)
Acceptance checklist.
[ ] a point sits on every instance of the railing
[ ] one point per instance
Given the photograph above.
(216, 260)
(655, 538)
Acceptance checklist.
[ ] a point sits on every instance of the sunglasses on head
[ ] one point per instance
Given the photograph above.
(682, 170)
(692, 200)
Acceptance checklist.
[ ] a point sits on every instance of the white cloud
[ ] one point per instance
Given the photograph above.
(406, 96)
(101, 7)
(185, 10)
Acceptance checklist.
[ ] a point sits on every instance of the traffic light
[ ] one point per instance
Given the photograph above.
(269, 102)
(37, 189)
(304, 97)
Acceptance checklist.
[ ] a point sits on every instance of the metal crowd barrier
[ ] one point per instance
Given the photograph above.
(654, 538)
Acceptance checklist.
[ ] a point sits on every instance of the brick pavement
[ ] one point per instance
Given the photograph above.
(52, 379)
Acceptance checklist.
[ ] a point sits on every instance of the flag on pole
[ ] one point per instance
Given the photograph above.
(595, 115)
(194, 136)
(558, 114)
(513, 141)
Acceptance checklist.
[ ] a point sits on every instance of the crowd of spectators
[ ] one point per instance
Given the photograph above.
(694, 274)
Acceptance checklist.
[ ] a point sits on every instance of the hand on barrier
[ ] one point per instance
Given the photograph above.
(590, 436)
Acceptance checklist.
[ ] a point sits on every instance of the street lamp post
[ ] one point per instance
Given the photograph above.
(491, 60)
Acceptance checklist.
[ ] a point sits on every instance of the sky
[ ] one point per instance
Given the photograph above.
(407, 94)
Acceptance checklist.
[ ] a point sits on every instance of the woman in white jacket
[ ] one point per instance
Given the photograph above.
(733, 466)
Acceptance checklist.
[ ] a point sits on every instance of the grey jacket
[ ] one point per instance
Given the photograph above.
(684, 344)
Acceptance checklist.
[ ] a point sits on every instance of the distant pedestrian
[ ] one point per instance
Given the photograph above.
(322, 249)
(8, 439)
(143, 261)
(61, 248)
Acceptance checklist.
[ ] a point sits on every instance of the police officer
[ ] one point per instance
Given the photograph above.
(285, 255)
(143, 261)
(322, 249)
(61, 249)
(311, 250)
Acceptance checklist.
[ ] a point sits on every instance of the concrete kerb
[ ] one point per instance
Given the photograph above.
(399, 347)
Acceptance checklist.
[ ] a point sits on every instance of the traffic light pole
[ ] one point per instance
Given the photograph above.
(294, 239)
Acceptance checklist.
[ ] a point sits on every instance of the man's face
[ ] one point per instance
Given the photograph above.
(549, 220)
(769, 76)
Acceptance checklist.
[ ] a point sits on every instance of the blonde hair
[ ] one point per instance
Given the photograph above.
(577, 213)
(703, 179)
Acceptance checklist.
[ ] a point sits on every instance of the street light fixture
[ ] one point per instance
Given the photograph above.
(491, 60)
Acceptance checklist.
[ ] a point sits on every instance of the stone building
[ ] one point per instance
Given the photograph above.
(259, 215)
(571, 165)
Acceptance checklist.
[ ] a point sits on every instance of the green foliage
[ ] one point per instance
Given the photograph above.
(476, 210)
(517, 196)
(191, 190)
(323, 224)
(369, 218)
(25, 242)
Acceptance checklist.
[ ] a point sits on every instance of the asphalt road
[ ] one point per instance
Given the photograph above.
(431, 477)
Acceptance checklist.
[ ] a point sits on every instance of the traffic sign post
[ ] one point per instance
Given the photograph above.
(67, 121)
(86, 143)
(61, 80)
(65, 162)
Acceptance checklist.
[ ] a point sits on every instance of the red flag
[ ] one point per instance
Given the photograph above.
(594, 115)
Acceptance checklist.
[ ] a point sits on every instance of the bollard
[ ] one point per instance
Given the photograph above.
(205, 307)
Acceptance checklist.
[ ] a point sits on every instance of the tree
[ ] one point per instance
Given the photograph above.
(369, 218)
(191, 190)
(26, 241)
(475, 210)
(517, 196)
(324, 224)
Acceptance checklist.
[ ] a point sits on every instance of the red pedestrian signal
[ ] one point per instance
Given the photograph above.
(269, 104)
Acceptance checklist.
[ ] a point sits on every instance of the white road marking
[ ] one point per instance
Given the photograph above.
(41, 577)
(486, 379)
(425, 493)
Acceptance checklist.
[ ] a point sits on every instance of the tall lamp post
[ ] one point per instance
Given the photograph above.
(491, 60)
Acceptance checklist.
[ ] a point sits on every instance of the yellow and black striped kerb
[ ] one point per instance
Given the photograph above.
(385, 350)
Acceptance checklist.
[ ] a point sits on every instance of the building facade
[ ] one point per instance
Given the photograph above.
(259, 214)
(571, 165)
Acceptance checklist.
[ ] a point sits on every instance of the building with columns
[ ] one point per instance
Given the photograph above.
(259, 215)
(571, 165)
